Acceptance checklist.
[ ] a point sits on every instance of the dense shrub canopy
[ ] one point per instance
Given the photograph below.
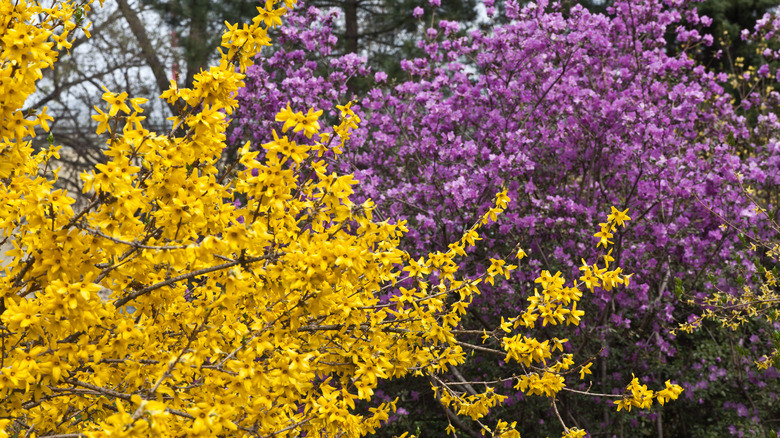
(572, 112)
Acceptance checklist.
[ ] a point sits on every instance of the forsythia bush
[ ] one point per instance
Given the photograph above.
(759, 299)
(753, 307)
(255, 300)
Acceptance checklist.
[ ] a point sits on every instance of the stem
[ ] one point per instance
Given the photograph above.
(124, 300)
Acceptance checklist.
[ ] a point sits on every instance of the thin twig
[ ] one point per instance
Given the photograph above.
(124, 300)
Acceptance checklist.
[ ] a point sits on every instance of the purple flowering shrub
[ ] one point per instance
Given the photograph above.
(572, 112)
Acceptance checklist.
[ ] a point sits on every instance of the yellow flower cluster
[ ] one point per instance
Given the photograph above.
(557, 304)
(639, 396)
(29, 32)
(542, 372)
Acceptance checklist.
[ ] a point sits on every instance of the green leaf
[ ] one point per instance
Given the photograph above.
(678, 288)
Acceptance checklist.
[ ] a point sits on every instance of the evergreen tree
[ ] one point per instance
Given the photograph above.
(729, 17)
(197, 26)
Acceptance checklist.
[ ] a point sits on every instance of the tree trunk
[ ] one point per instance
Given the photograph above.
(197, 53)
(149, 53)
(350, 26)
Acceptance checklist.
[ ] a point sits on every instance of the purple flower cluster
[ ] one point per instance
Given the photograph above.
(572, 113)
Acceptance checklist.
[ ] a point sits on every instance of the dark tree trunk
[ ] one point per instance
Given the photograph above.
(350, 26)
(196, 56)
